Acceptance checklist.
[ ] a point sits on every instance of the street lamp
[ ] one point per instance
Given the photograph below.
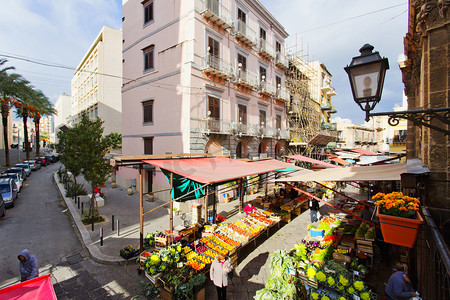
(366, 73)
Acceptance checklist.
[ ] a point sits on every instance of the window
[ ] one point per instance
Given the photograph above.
(262, 73)
(278, 46)
(262, 33)
(278, 122)
(214, 107)
(242, 113)
(149, 58)
(96, 112)
(147, 108)
(148, 12)
(278, 81)
(148, 145)
(262, 118)
(242, 15)
(243, 61)
(213, 53)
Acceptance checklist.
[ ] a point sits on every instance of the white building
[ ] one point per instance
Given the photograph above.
(96, 85)
(63, 107)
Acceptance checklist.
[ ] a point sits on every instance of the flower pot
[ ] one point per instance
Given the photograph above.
(399, 231)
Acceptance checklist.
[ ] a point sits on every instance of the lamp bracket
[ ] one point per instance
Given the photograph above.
(420, 117)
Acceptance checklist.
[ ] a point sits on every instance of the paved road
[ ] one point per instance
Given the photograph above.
(38, 223)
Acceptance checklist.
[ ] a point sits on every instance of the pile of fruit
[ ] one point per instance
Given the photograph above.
(261, 218)
(220, 243)
(187, 249)
(241, 231)
(201, 249)
(194, 264)
(204, 259)
(227, 240)
(191, 255)
(210, 253)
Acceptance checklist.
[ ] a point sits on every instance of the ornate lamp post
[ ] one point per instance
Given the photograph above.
(366, 73)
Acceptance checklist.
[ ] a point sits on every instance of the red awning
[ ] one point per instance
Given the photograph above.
(214, 169)
(37, 288)
(312, 160)
(364, 152)
(340, 161)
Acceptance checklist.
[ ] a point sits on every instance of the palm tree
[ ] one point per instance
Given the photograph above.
(26, 96)
(43, 107)
(10, 86)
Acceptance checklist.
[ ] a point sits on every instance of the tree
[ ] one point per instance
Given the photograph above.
(85, 149)
(114, 140)
(11, 85)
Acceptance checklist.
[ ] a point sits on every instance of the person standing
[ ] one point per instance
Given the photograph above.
(249, 208)
(313, 209)
(28, 266)
(399, 285)
(218, 273)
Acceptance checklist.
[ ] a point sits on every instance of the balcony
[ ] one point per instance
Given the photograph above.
(326, 107)
(266, 89)
(210, 126)
(244, 33)
(217, 13)
(246, 79)
(282, 94)
(332, 92)
(332, 110)
(265, 49)
(326, 85)
(281, 61)
(283, 134)
(325, 125)
(217, 67)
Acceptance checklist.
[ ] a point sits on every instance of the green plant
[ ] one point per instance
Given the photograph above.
(149, 291)
(75, 189)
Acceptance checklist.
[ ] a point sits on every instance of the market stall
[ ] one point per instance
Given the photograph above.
(36, 288)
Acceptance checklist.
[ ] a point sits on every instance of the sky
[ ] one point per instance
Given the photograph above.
(59, 33)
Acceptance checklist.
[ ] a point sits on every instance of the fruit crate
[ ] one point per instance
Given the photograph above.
(153, 279)
(161, 242)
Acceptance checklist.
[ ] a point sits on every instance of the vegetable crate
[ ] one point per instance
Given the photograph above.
(161, 242)
(153, 279)
(365, 246)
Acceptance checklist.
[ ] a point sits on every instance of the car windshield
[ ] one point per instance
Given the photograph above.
(21, 166)
(4, 188)
(13, 176)
(14, 171)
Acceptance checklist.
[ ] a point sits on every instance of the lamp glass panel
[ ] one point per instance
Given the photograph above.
(365, 80)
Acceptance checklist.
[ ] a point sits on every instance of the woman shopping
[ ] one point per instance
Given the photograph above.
(220, 268)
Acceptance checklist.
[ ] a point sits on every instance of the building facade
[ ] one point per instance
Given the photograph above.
(367, 137)
(97, 81)
(202, 76)
(63, 115)
(425, 75)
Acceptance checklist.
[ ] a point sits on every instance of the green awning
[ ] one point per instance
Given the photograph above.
(288, 170)
(182, 186)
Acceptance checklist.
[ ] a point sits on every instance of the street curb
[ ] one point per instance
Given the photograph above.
(84, 235)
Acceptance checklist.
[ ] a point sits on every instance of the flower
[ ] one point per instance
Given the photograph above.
(342, 298)
(397, 204)
(325, 298)
(311, 272)
(343, 280)
(314, 295)
(321, 276)
(359, 285)
(365, 296)
(350, 290)
(331, 281)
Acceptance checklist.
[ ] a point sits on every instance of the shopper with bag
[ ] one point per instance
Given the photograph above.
(220, 268)
(313, 209)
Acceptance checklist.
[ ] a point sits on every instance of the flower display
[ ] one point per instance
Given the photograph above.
(364, 296)
(315, 295)
(350, 290)
(331, 281)
(321, 276)
(343, 280)
(325, 298)
(359, 285)
(311, 272)
(397, 204)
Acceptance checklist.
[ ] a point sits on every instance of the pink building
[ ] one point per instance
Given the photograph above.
(202, 76)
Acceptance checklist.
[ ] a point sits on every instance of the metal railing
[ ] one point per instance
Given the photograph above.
(218, 10)
(244, 32)
(282, 59)
(282, 94)
(247, 78)
(266, 87)
(218, 64)
(433, 260)
(265, 47)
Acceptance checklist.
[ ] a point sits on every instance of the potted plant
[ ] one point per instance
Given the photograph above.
(399, 218)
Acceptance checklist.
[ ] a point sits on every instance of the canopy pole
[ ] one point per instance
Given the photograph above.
(329, 204)
(205, 208)
(171, 203)
(214, 197)
(241, 195)
(342, 194)
(141, 210)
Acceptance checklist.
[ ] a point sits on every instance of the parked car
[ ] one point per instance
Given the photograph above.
(8, 190)
(43, 161)
(16, 177)
(2, 207)
(56, 156)
(50, 158)
(25, 167)
(33, 165)
(37, 163)
(19, 171)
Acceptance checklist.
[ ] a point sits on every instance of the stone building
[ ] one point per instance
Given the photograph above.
(425, 75)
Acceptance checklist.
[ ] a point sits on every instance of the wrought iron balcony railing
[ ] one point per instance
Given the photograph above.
(244, 33)
(265, 49)
(217, 13)
(282, 94)
(217, 66)
(266, 88)
(281, 60)
(246, 79)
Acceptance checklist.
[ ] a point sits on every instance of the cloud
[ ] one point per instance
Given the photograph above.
(307, 22)
(53, 31)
